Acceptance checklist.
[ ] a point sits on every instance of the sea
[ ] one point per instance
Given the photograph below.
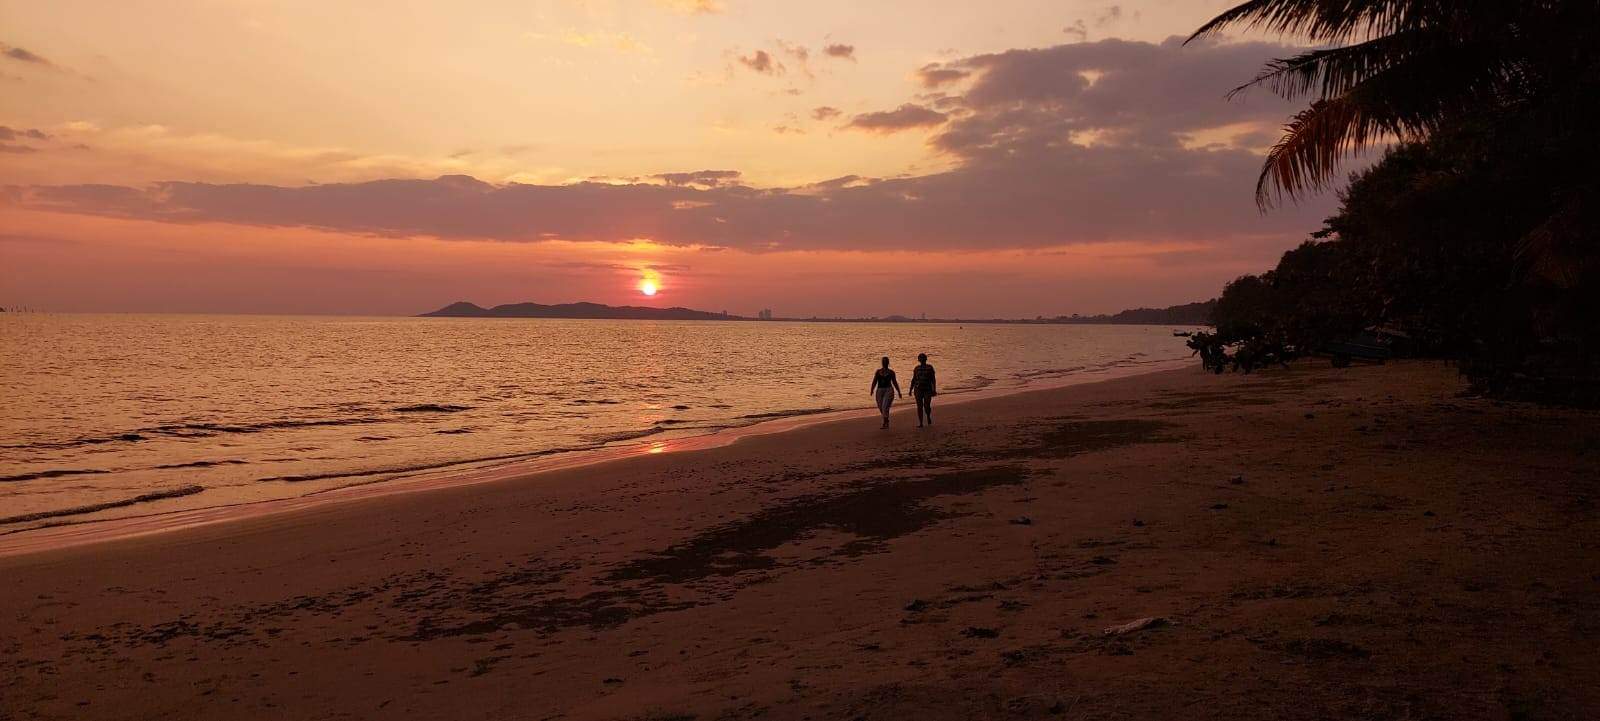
(110, 416)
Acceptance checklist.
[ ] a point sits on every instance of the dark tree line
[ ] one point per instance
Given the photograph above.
(1476, 236)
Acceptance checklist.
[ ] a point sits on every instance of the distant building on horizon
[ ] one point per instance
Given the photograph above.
(765, 314)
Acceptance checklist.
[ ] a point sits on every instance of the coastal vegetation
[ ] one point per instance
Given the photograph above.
(1474, 235)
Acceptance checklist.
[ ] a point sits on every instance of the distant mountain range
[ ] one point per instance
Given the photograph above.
(463, 309)
(1186, 314)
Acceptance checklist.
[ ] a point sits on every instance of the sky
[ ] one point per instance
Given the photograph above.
(825, 158)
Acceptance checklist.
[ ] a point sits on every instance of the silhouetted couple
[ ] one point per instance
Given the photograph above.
(885, 387)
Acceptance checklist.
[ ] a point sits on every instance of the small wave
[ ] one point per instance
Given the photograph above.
(374, 438)
(93, 508)
(786, 414)
(680, 407)
(179, 429)
(711, 426)
(1048, 372)
(203, 464)
(76, 442)
(191, 430)
(976, 383)
(53, 473)
(623, 435)
(177, 432)
(400, 470)
(325, 476)
(594, 401)
(432, 408)
(453, 431)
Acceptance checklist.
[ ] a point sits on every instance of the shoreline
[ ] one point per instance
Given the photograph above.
(1360, 542)
(69, 533)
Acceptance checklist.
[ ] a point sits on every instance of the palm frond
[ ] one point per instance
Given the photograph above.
(1313, 143)
(1331, 71)
(1404, 101)
(1322, 21)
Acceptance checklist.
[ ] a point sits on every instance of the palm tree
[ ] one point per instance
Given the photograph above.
(1402, 69)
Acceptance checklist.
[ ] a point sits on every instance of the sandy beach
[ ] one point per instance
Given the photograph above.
(1303, 543)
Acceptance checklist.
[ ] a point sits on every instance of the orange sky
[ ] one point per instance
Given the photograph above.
(974, 159)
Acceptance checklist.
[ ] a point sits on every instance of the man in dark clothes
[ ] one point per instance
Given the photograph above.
(923, 389)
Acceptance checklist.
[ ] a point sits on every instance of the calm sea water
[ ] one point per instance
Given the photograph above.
(148, 414)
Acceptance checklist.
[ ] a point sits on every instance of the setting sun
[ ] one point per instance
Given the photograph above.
(647, 287)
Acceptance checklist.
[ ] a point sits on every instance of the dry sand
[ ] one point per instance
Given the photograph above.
(1313, 543)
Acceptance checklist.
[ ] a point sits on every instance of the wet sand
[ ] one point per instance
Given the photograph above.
(1310, 543)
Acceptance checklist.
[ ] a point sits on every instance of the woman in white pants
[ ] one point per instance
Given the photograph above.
(885, 388)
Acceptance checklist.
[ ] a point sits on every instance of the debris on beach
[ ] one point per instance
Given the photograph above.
(1142, 624)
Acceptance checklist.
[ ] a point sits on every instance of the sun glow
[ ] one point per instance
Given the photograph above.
(649, 281)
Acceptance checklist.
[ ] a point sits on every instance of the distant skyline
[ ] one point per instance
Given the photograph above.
(997, 159)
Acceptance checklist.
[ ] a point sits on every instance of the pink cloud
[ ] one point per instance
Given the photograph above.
(934, 75)
(840, 51)
(762, 62)
(905, 117)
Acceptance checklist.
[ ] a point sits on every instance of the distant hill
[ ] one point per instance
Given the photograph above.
(463, 309)
(1186, 314)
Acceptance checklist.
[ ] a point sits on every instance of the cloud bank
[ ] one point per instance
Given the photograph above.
(1089, 142)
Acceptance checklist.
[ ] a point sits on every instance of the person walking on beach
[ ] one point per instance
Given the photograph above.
(885, 388)
(923, 389)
